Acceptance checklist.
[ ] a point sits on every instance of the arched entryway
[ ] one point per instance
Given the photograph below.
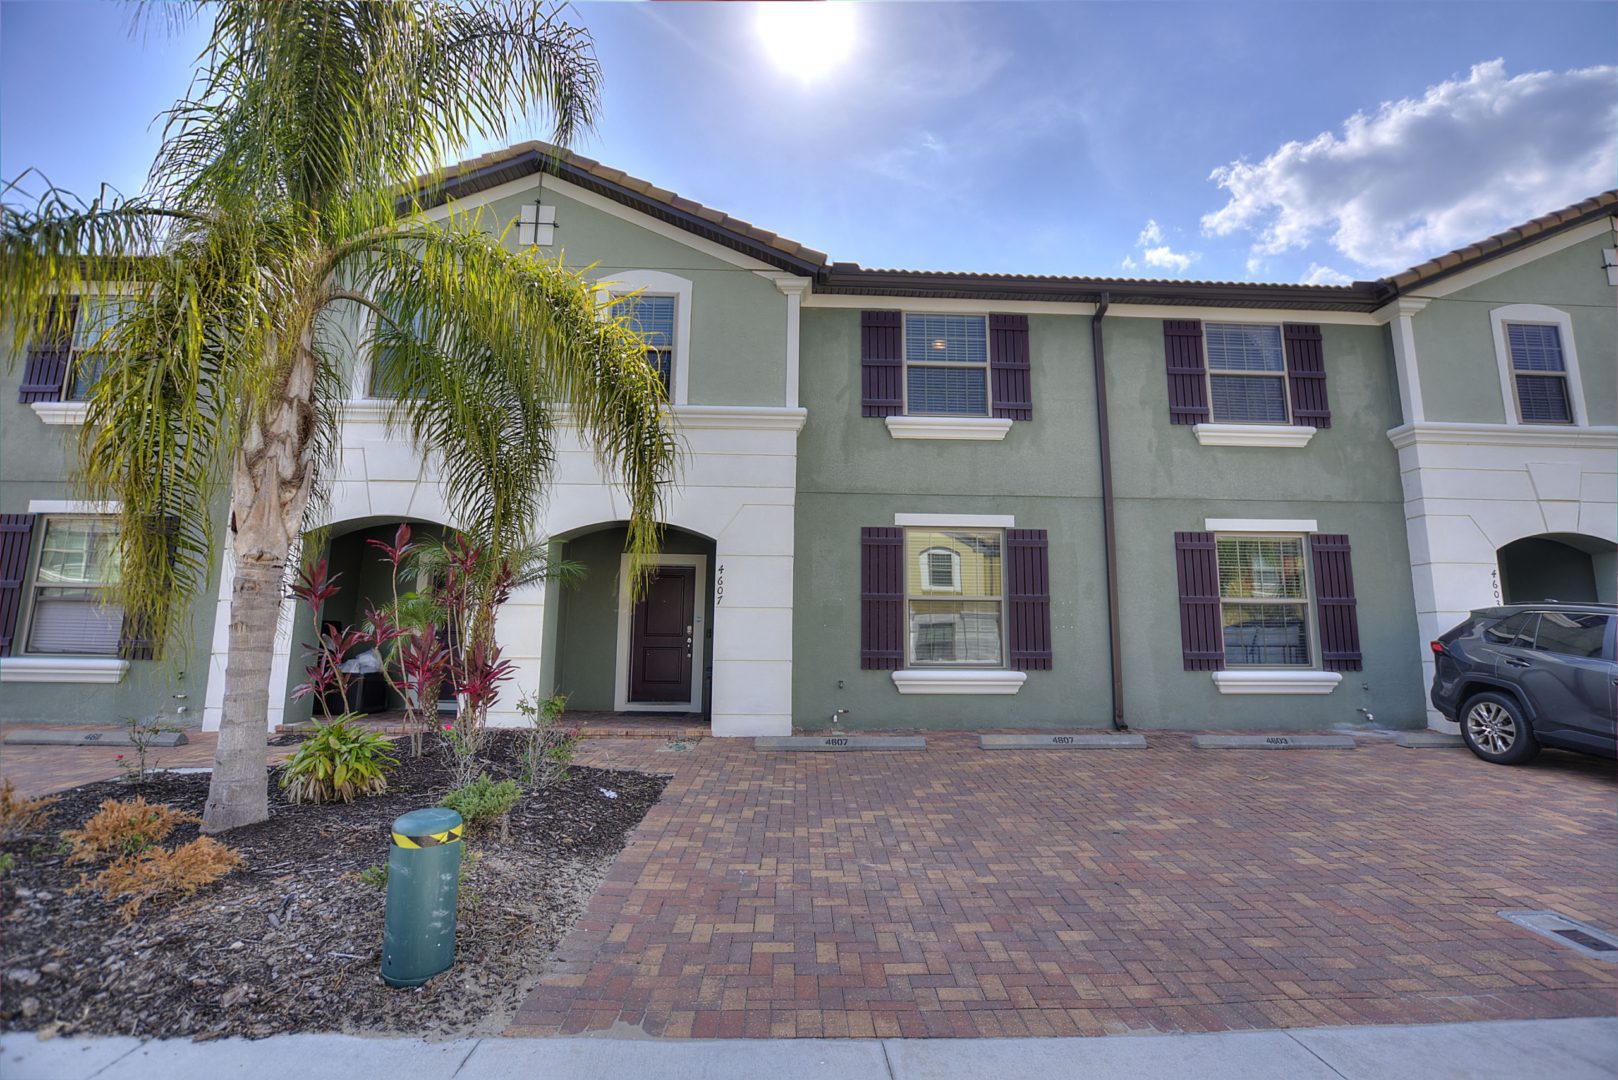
(614, 653)
(1558, 566)
(364, 579)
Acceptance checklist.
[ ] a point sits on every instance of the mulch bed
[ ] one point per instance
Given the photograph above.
(293, 941)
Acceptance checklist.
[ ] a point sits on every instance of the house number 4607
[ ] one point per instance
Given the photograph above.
(719, 586)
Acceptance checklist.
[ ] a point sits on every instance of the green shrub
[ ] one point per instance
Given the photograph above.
(375, 875)
(483, 799)
(338, 762)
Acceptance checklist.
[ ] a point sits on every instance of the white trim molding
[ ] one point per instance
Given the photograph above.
(1253, 434)
(1279, 681)
(959, 521)
(793, 288)
(74, 506)
(978, 428)
(958, 681)
(1260, 525)
(61, 413)
(699, 626)
(1542, 315)
(62, 669)
(660, 283)
(740, 418)
(1454, 433)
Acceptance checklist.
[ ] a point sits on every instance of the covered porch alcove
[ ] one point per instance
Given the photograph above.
(613, 652)
(1570, 567)
(364, 579)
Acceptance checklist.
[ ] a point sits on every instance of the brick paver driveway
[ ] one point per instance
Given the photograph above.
(963, 892)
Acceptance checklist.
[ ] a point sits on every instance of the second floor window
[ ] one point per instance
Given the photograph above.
(93, 326)
(1539, 373)
(652, 316)
(946, 365)
(1247, 374)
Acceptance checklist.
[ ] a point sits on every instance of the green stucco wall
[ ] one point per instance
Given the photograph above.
(1455, 350)
(36, 462)
(852, 474)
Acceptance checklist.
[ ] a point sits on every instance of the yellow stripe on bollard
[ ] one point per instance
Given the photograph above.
(429, 840)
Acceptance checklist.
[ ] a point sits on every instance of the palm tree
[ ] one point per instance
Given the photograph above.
(280, 199)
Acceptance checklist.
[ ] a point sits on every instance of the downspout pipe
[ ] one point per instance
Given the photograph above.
(1109, 533)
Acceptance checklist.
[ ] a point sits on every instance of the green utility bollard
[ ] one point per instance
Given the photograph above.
(424, 877)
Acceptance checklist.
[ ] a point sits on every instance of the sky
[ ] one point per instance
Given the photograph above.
(1312, 141)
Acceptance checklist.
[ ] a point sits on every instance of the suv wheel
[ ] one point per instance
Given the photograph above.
(1494, 729)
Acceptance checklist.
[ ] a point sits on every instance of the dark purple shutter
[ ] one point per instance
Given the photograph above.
(1201, 642)
(1009, 370)
(1306, 375)
(1028, 588)
(882, 363)
(16, 537)
(45, 371)
(1188, 381)
(1335, 606)
(882, 599)
(136, 640)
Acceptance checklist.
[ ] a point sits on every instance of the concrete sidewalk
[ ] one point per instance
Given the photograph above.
(1509, 1049)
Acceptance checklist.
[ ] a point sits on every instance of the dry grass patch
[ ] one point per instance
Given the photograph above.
(124, 828)
(156, 873)
(20, 817)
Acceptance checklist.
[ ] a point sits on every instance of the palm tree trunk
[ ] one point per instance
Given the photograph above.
(272, 478)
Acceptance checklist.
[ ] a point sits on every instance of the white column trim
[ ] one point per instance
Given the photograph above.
(793, 288)
(626, 608)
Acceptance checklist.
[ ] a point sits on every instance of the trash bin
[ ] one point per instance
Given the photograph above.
(424, 879)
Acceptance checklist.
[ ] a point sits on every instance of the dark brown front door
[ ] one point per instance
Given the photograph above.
(660, 637)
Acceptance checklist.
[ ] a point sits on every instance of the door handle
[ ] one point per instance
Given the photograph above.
(1513, 662)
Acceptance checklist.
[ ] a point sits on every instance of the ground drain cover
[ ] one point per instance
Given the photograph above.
(1559, 928)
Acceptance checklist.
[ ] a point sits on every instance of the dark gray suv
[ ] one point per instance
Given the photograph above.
(1530, 675)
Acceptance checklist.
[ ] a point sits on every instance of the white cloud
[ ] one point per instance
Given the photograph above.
(1128, 263)
(1325, 275)
(1420, 177)
(1155, 251)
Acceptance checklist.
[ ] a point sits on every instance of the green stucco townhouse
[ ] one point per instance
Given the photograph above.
(942, 500)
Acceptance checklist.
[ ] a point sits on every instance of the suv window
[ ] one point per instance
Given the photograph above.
(1512, 630)
(1570, 634)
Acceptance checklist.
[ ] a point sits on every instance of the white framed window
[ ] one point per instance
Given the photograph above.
(94, 324)
(1264, 600)
(660, 287)
(1247, 373)
(653, 316)
(1539, 365)
(383, 378)
(968, 628)
(72, 613)
(946, 365)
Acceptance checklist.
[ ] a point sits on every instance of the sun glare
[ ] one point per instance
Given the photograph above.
(807, 39)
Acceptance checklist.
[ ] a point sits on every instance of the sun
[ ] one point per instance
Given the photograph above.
(807, 39)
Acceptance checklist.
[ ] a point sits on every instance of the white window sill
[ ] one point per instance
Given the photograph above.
(1276, 682)
(60, 412)
(977, 428)
(63, 669)
(958, 681)
(1252, 434)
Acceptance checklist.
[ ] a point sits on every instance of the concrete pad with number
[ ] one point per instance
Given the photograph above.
(1272, 742)
(821, 743)
(1120, 740)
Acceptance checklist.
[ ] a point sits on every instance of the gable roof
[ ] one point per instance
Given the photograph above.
(1502, 243)
(530, 158)
(534, 157)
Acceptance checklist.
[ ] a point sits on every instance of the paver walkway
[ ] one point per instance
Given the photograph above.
(966, 893)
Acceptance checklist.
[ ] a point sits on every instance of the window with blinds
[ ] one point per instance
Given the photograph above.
(1539, 373)
(1247, 374)
(966, 628)
(72, 611)
(93, 330)
(652, 316)
(946, 365)
(1263, 601)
